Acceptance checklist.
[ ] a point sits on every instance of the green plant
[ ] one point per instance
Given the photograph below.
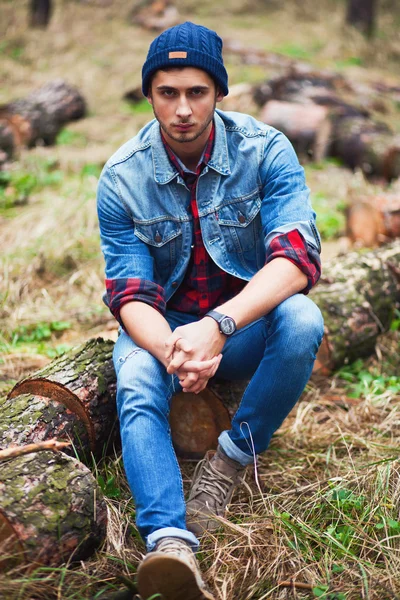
(362, 382)
(66, 137)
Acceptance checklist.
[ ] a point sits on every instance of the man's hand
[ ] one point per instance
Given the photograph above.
(190, 344)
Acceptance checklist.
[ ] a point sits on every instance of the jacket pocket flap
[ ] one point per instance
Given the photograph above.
(240, 213)
(157, 234)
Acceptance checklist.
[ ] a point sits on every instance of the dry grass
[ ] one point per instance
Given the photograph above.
(323, 516)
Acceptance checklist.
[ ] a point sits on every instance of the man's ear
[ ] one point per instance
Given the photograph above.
(219, 96)
(150, 99)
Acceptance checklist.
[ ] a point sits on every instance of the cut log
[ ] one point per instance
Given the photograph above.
(196, 422)
(28, 419)
(373, 221)
(361, 143)
(38, 118)
(357, 297)
(51, 510)
(308, 126)
(82, 386)
(305, 86)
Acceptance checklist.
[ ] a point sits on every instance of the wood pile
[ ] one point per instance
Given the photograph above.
(312, 109)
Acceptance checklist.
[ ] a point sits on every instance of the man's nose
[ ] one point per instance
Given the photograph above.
(183, 109)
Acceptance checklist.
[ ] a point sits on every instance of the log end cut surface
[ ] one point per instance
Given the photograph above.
(196, 422)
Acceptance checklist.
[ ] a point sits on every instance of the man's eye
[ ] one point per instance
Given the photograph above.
(196, 92)
(168, 93)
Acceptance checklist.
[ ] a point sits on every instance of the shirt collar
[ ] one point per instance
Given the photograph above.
(205, 157)
(165, 170)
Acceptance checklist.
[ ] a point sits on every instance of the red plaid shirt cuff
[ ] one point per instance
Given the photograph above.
(294, 247)
(122, 291)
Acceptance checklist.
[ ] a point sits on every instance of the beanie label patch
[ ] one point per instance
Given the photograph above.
(177, 55)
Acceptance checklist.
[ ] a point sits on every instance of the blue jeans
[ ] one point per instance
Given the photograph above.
(276, 353)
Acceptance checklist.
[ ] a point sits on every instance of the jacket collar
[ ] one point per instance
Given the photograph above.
(164, 171)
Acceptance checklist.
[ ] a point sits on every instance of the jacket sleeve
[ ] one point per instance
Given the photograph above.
(285, 196)
(129, 266)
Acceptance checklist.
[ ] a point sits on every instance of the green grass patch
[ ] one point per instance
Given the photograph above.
(37, 338)
(141, 107)
(330, 216)
(67, 137)
(17, 185)
(362, 381)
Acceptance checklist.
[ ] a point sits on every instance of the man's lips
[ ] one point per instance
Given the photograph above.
(183, 126)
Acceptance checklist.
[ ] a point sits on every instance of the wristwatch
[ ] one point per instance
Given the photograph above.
(227, 325)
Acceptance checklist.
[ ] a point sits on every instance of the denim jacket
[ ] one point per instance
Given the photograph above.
(251, 190)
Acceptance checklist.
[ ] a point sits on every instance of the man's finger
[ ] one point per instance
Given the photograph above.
(199, 366)
(176, 343)
(179, 359)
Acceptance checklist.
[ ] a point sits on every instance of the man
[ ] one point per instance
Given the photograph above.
(210, 247)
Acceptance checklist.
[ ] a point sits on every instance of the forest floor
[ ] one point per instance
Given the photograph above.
(323, 518)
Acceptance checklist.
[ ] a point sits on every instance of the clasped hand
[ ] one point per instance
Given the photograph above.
(193, 352)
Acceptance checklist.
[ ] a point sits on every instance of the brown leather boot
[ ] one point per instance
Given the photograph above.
(171, 570)
(215, 479)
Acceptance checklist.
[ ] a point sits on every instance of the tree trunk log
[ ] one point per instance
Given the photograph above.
(51, 510)
(357, 297)
(361, 14)
(28, 419)
(373, 221)
(40, 13)
(361, 143)
(82, 386)
(308, 126)
(38, 118)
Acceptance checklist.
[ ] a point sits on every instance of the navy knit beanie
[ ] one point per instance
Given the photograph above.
(186, 45)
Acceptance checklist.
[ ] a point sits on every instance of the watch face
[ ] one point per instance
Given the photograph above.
(228, 326)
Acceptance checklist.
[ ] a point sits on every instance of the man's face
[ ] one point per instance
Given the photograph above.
(183, 102)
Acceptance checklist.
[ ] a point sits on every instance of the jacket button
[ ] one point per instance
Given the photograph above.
(174, 283)
(158, 238)
(242, 219)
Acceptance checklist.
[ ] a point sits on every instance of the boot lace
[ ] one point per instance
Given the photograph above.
(212, 482)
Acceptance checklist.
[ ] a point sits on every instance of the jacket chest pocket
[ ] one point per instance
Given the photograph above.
(164, 240)
(240, 223)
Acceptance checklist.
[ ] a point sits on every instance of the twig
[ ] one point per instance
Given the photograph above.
(53, 445)
(299, 585)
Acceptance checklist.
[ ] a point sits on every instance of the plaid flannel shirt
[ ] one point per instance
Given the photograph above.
(205, 285)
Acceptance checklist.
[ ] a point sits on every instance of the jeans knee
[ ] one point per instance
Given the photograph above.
(302, 322)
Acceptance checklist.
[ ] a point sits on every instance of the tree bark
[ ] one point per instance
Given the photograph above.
(362, 14)
(74, 396)
(40, 13)
(28, 419)
(51, 510)
(372, 147)
(357, 297)
(38, 118)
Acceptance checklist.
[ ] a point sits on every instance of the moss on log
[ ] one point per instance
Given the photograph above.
(51, 510)
(82, 380)
(357, 297)
(27, 419)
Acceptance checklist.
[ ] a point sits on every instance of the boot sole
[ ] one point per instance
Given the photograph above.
(169, 577)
